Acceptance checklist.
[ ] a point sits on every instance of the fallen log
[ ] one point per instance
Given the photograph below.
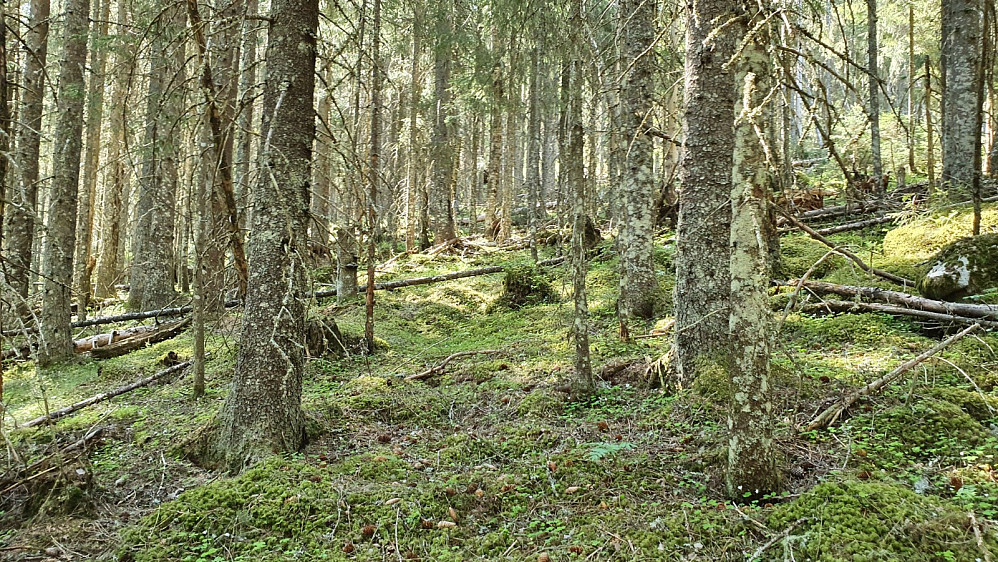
(862, 265)
(389, 285)
(440, 368)
(849, 226)
(61, 413)
(128, 345)
(113, 344)
(980, 311)
(831, 414)
(853, 306)
(21, 476)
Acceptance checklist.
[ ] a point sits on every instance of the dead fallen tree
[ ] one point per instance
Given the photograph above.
(862, 265)
(61, 413)
(389, 285)
(832, 414)
(37, 468)
(133, 343)
(112, 344)
(897, 298)
(854, 306)
(857, 225)
(443, 365)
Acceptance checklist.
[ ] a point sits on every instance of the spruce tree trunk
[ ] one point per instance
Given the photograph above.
(751, 470)
(961, 125)
(414, 161)
(57, 264)
(533, 175)
(262, 414)
(112, 205)
(83, 263)
(873, 75)
(583, 382)
(703, 283)
(19, 230)
(637, 272)
(441, 151)
(151, 277)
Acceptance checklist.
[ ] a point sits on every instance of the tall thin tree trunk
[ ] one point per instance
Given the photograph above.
(751, 470)
(911, 89)
(374, 173)
(873, 75)
(19, 230)
(441, 151)
(57, 265)
(247, 94)
(638, 283)
(84, 262)
(930, 152)
(960, 52)
(415, 164)
(703, 282)
(583, 382)
(533, 176)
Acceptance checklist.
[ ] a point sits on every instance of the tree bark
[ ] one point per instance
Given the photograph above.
(873, 75)
(441, 151)
(751, 470)
(638, 283)
(19, 230)
(114, 210)
(83, 263)
(414, 160)
(703, 283)
(151, 278)
(583, 382)
(960, 53)
(262, 414)
(57, 268)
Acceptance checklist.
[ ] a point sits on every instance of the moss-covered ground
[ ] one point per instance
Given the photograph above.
(490, 460)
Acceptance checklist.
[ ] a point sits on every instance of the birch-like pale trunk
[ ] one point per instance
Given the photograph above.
(751, 470)
(638, 283)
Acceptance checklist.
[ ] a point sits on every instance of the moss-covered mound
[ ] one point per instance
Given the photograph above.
(965, 267)
(525, 286)
(859, 521)
(919, 239)
(799, 252)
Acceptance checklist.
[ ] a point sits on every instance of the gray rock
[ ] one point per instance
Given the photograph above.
(966, 267)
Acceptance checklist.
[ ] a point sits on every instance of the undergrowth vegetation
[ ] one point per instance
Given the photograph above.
(490, 459)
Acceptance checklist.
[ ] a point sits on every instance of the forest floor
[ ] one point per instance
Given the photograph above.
(490, 460)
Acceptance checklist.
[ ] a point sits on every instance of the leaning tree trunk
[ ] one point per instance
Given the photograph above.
(961, 130)
(19, 230)
(57, 269)
(703, 284)
(751, 470)
(262, 414)
(637, 271)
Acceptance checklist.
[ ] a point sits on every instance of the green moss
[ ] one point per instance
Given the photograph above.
(923, 430)
(525, 285)
(800, 252)
(919, 239)
(541, 402)
(853, 520)
(979, 406)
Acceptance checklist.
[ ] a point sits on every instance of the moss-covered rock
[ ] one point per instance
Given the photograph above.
(926, 429)
(979, 406)
(919, 239)
(965, 267)
(854, 520)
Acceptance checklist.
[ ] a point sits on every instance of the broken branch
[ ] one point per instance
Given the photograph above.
(833, 412)
(440, 368)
